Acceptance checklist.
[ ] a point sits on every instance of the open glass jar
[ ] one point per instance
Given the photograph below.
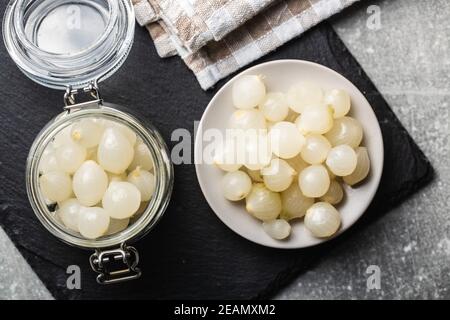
(73, 45)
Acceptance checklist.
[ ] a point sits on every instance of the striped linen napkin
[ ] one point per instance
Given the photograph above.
(218, 37)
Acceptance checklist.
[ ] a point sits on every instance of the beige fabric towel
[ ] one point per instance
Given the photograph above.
(191, 24)
(218, 37)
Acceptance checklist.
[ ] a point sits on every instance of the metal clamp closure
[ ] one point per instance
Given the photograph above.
(117, 265)
(70, 98)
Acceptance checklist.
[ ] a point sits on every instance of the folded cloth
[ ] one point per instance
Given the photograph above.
(218, 37)
(193, 23)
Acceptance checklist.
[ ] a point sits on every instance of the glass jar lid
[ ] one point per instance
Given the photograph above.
(68, 43)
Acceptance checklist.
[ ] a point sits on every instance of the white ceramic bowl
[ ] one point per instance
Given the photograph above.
(279, 75)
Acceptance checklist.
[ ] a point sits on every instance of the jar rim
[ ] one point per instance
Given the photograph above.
(94, 63)
(20, 29)
(155, 209)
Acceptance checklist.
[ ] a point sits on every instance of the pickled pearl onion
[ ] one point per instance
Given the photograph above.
(262, 203)
(115, 153)
(342, 160)
(70, 156)
(87, 132)
(56, 186)
(236, 185)
(93, 222)
(89, 183)
(248, 91)
(278, 229)
(314, 181)
(121, 200)
(322, 219)
(69, 211)
(144, 181)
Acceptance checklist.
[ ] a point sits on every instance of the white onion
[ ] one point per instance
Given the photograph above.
(126, 131)
(121, 200)
(257, 150)
(278, 176)
(342, 160)
(278, 229)
(304, 94)
(69, 212)
(335, 193)
(236, 185)
(226, 156)
(93, 222)
(248, 91)
(315, 119)
(70, 156)
(142, 157)
(63, 137)
(322, 220)
(274, 107)
(247, 119)
(89, 183)
(345, 130)
(56, 186)
(144, 181)
(294, 203)
(316, 149)
(87, 132)
(314, 181)
(262, 203)
(285, 139)
(115, 152)
(48, 161)
(362, 167)
(117, 225)
(339, 100)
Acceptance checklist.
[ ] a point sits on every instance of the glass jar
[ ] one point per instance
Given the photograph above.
(73, 45)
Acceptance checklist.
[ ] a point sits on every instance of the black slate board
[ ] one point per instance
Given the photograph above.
(191, 254)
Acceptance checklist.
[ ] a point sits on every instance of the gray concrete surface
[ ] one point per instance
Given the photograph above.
(409, 61)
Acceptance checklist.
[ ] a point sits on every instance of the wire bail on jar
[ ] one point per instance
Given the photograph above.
(125, 260)
(91, 89)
